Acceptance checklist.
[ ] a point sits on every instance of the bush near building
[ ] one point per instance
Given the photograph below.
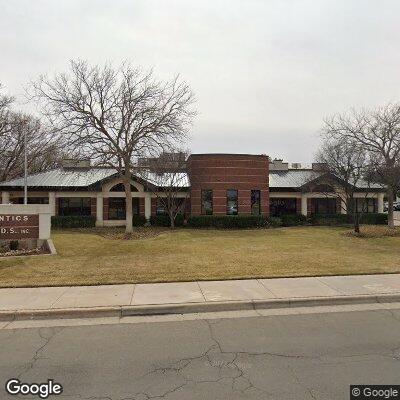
(73, 221)
(346, 219)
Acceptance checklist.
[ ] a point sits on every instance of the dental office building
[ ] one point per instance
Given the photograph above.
(213, 184)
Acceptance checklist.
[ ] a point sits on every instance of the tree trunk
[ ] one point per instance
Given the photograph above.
(356, 223)
(172, 221)
(128, 201)
(390, 208)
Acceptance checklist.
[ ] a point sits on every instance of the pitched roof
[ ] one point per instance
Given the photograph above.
(292, 178)
(68, 177)
(296, 178)
(86, 177)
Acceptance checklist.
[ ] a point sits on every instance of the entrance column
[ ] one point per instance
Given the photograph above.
(5, 197)
(304, 204)
(52, 203)
(99, 209)
(380, 202)
(147, 206)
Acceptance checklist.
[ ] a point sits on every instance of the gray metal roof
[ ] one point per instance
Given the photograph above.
(84, 177)
(296, 178)
(292, 178)
(177, 180)
(78, 178)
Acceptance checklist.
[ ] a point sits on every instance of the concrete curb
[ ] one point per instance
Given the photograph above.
(190, 308)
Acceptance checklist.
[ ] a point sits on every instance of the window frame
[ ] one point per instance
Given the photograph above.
(67, 210)
(232, 199)
(257, 201)
(207, 210)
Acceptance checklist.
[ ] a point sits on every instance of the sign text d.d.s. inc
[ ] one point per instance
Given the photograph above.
(19, 226)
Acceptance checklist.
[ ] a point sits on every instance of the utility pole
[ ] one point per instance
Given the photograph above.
(25, 171)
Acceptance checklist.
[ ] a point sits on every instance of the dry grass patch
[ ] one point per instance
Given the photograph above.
(90, 258)
(375, 231)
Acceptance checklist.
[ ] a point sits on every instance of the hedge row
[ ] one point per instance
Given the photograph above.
(345, 219)
(230, 222)
(73, 221)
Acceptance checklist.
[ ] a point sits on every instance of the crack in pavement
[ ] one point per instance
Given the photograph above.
(36, 357)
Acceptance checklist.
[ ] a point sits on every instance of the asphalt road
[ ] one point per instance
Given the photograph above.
(308, 356)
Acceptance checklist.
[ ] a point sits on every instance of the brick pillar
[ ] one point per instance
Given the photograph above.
(310, 207)
(298, 205)
(105, 208)
(244, 202)
(93, 207)
(141, 206)
(195, 202)
(153, 206)
(265, 202)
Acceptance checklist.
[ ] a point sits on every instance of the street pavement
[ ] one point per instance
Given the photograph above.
(314, 353)
(53, 298)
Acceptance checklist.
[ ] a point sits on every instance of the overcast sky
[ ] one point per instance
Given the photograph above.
(265, 73)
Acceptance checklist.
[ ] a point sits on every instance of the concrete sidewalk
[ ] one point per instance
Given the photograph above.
(181, 297)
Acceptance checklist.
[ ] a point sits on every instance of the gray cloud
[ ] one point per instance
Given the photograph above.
(265, 73)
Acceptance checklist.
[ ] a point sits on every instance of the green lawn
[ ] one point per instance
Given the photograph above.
(186, 254)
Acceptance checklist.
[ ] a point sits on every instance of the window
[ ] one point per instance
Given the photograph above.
(231, 202)
(282, 206)
(255, 202)
(207, 201)
(325, 206)
(160, 207)
(121, 188)
(116, 208)
(365, 205)
(74, 206)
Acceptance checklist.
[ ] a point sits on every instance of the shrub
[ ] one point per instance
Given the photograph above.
(232, 221)
(163, 220)
(73, 221)
(293, 219)
(139, 220)
(374, 219)
(347, 219)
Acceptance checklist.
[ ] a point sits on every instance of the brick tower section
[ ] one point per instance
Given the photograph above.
(220, 172)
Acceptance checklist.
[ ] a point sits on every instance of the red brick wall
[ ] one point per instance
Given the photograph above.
(153, 206)
(105, 208)
(298, 206)
(141, 205)
(93, 208)
(221, 172)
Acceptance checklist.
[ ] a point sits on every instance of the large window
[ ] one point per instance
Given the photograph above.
(74, 206)
(255, 202)
(282, 206)
(207, 201)
(231, 202)
(365, 205)
(117, 207)
(325, 206)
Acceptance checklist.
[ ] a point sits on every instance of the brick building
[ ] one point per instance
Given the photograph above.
(218, 184)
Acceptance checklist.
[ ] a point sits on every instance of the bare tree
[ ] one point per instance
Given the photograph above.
(116, 115)
(378, 132)
(169, 181)
(346, 171)
(44, 149)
